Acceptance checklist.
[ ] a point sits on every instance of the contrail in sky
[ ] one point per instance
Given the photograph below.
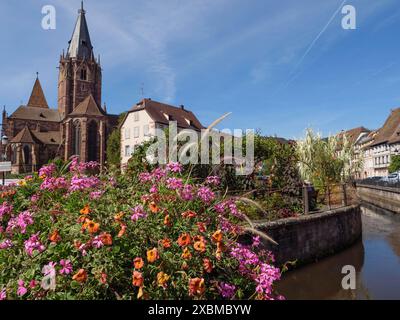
(294, 76)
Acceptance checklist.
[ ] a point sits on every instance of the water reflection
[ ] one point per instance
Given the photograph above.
(376, 259)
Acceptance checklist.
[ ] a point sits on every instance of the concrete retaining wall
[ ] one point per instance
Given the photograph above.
(382, 197)
(309, 238)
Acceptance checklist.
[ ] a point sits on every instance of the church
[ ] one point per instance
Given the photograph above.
(79, 126)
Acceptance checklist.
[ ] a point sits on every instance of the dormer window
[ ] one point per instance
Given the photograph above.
(83, 74)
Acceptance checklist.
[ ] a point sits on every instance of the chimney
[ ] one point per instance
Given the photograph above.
(182, 107)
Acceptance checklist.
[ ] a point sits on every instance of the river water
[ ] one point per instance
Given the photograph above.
(376, 259)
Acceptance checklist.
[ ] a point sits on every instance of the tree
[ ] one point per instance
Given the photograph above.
(326, 161)
(394, 164)
(114, 145)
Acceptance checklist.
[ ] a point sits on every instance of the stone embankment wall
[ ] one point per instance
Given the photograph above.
(314, 236)
(386, 198)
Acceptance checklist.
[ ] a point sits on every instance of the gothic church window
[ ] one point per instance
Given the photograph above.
(83, 74)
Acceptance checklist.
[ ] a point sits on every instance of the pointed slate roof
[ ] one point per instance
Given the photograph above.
(80, 45)
(25, 136)
(37, 98)
(88, 107)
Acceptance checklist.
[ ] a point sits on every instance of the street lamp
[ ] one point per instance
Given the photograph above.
(4, 142)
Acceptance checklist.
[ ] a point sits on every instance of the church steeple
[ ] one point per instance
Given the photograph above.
(37, 98)
(79, 72)
(80, 45)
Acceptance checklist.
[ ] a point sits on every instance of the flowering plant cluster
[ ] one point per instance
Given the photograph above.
(155, 235)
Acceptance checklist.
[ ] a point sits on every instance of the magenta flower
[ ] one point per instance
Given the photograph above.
(256, 241)
(3, 294)
(5, 209)
(153, 189)
(96, 194)
(213, 180)
(47, 170)
(33, 284)
(175, 167)
(174, 183)
(226, 290)
(145, 177)
(187, 192)
(205, 194)
(6, 244)
(32, 244)
(66, 266)
(81, 183)
(97, 243)
(51, 183)
(138, 212)
(21, 222)
(21, 291)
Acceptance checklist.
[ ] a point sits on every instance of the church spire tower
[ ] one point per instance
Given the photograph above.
(79, 71)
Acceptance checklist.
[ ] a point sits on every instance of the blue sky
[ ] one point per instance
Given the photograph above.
(216, 56)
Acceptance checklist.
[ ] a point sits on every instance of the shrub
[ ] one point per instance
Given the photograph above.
(155, 235)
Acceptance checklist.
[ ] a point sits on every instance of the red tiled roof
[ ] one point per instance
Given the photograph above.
(390, 131)
(88, 107)
(160, 111)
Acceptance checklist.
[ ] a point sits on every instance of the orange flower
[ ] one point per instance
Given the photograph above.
(80, 276)
(85, 210)
(166, 243)
(201, 226)
(208, 266)
(220, 249)
(119, 216)
(167, 220)
(196, 286)
(55, 236)
(186, 253)
(138, 263)
(184, 239)
(217, 236)
(162, 279)
(153, 207)
(91, 226)
(199, 246)
(137, 279)
(189, 214)
(122, 231)
(152, 255)
(106, 239)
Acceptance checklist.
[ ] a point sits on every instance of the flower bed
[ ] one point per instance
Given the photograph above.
(69, 234)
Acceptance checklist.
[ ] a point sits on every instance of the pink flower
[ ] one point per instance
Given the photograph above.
(226, 290)
(144, 177)
(47, 170)
(138, 212)
(21, 288)
(33, 243)
(51, 183)
(153, 189)
(97, 243)
(158, 174)
(206, 194)
(21, 222)
(7, 243)
(5, 209)
(213, 180)
(80, 183)
(66, 266)
(187, 192)
(96, 194)
(174, 167)
(3, 294)
(174, 183)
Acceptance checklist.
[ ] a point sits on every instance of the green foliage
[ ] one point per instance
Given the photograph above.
(114, 146)
(326, 161)
(394, 163)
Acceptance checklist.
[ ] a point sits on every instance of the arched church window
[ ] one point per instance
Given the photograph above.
(76, 139)
(93, 141)
(27, 154)
(83, 74)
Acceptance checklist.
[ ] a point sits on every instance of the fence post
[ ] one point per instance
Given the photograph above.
(306, 203)
(344, 201)
(329, 198)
